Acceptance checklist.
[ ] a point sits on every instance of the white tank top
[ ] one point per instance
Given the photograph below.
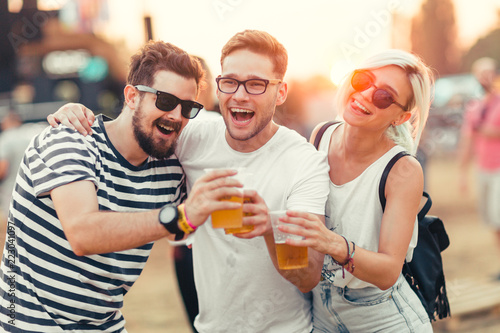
(353, 209)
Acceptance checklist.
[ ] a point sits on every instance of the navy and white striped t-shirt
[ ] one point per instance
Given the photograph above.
(44, 286)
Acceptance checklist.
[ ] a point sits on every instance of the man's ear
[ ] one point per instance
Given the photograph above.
(282, 93)
(131, 96)
(217, 92)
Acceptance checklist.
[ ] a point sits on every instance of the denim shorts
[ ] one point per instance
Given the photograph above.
(370, 309)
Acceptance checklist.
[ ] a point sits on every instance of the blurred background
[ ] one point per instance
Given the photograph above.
(58, 51)
(55, 51)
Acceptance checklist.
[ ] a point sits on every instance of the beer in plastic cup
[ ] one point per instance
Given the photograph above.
(244, 228)
(289, 256)
(229, 218)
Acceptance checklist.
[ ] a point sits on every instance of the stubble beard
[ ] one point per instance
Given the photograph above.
(257, 128)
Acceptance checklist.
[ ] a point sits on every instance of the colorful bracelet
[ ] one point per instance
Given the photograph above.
(347, 259)
(350, 262)
(187, 219)
(183, 223)
(348, 250)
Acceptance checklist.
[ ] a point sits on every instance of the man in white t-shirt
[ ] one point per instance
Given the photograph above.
(240, 287)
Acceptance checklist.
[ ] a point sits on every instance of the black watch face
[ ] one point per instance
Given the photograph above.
(168, 214)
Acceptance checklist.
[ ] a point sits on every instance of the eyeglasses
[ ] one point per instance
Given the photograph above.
(252, 86)
(381, 98)
(168, 102)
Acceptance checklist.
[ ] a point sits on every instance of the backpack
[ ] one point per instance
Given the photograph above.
(424, 273)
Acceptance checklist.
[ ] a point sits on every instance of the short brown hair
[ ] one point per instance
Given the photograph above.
(259, 42)
(158, 55)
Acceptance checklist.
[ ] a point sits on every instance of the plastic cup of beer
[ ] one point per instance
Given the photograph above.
(244, 228)
(230, 218)
(247, 179)
(289, 256)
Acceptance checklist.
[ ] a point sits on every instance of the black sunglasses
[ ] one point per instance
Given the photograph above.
(381, 98)
(168, 102)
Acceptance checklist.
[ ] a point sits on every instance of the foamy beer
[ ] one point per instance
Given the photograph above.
(289, 256)
(230, 218)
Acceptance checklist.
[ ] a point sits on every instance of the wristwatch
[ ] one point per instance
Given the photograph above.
(168, 217)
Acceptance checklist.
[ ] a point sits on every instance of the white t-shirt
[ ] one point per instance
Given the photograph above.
(239, 290)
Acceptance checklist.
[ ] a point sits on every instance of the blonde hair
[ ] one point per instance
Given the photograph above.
(421, 80)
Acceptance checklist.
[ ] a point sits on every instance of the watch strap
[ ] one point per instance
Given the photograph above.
(172, 226)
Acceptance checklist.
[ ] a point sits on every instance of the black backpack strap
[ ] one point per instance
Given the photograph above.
(381, 188)
(322, 130)
(385, 174)
(427, 206)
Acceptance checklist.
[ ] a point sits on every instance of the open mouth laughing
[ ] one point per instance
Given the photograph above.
(361, 107)
(168, 127)
(241, 116)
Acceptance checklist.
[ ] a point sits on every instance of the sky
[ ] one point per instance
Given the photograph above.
(325, 37)
(321, 36)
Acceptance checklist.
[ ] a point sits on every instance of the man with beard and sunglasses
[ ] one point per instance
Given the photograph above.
(240, 287)
(86, 210)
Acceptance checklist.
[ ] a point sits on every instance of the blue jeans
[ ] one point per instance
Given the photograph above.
(370, 309)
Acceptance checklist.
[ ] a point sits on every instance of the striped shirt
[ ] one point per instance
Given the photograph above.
(44, 286)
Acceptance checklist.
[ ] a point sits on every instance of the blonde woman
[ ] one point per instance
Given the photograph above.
(383, 107)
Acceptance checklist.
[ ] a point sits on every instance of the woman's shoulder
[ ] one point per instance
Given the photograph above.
(407, 170)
